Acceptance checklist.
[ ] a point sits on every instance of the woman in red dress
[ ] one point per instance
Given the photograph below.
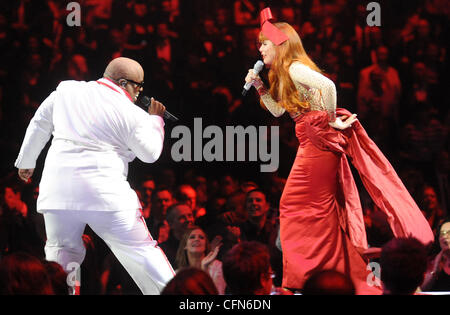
(321, 222)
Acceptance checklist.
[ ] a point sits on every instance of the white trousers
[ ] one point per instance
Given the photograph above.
(125, 233)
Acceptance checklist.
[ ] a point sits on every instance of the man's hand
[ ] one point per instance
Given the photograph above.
(25, 174)
(156, 108)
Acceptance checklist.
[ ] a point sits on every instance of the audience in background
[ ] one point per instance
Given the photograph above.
(399, 96)
(187, 194)
(437, 277)
(161, 200)
(403, 264)
(328, 282)
(190, 281)
(431, 209)
(195, 250)
(24, 274)
(145, 192)
(262, 225)
(180, 219)
(247, 270)
(58, 277)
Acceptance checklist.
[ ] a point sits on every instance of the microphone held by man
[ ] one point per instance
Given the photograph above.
(156, 108)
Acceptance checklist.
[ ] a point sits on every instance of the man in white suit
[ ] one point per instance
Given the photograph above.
(97, 130)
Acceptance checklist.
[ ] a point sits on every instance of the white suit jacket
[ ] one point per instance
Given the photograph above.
(97, 131)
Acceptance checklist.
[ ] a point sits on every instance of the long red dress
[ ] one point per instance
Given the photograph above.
(321, 222)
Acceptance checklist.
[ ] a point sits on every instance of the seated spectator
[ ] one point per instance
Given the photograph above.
(163, 82)
(348, 77)
(187, 194)
(328, 282)
(90, 269)
(431, 209)
(437, 277)
(214, 206)
(247, 271)
(196, 251)
(234, 212)
(99, 13)
(423, 138)
(228, 185)
(214, 225)
(115, 280)
(247, 186)
(169, 10)
(389, 85)
(403, 264)
(227, 222)
(166, 44)
(376, 110)
(24, 274)
(17, 232)
(245, 13)
(139, 26)
(274, 183)
(209, 36)
(190, 281)
(441, 170)
(435, 61)
(222, 17)
(77, 69)
(421, 88)
(114, 46)
(179, 217)
(167, 178)
(200, 185)
(415, 45)
(33, 79)
(146, 188)
(58, 277)
(376, 223)
(262, 225)
(12, 199)
(162, 199)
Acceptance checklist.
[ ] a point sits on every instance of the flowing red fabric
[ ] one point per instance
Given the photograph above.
(384, 186)
(321, 220)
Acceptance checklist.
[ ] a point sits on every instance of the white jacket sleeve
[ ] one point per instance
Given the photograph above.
(37, 135)
(147, 139)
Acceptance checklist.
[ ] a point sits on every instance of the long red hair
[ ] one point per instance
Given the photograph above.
(282, 88)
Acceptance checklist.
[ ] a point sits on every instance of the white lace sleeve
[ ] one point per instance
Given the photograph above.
(272, 105)
(313, 79)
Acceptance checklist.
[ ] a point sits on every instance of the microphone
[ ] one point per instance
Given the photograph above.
(146, 102)
(257, 68)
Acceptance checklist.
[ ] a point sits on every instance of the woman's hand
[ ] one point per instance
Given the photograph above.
(210, 257)
(255, 81)
(251, 76)
(343, 122)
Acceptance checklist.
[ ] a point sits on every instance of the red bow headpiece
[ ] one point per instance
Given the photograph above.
(269, 30)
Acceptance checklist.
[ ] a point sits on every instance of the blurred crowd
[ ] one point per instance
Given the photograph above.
(195, 54)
